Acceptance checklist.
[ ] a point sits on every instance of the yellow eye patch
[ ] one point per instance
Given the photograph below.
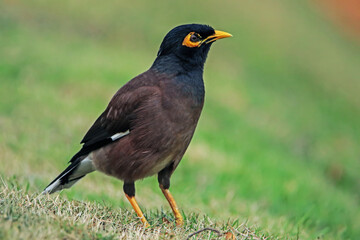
(192, 40)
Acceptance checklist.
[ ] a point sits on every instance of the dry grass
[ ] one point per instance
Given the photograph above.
(27, 215)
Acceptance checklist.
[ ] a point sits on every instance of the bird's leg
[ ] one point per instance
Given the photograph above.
(178, 218)
(129, 189)
(164, 183)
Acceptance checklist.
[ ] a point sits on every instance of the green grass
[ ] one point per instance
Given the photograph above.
(276, 146)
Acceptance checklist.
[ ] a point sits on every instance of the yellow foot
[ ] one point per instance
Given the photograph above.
(179, 221)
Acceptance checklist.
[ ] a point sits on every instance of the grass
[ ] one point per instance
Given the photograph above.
(29, 216)
(276, 146)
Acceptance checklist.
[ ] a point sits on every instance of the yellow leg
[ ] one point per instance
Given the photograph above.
(178, 218)
(137, 209)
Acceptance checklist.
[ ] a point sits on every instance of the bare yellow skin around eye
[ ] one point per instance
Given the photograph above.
(187, 42)
(216, 36)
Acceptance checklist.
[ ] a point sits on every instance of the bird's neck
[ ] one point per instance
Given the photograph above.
(174, 65)
(188, 77)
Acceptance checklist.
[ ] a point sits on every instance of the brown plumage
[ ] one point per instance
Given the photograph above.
(161, 121)
(149, 123)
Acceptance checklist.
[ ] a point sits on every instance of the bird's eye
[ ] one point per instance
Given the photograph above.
(191, 40)
(194, 38)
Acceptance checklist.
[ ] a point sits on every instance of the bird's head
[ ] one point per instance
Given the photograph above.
(190, 42)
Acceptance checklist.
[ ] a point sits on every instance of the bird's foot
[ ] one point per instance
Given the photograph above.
(145, 222)
(179, 221)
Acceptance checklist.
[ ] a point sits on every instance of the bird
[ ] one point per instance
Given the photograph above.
(149, 122)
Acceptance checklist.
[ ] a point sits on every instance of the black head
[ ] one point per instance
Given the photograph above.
(190, 42)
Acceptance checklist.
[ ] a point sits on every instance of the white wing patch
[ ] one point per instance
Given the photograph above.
(79, 170)
(119, 135)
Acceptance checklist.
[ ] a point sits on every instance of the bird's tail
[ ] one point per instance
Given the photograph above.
(73, 173)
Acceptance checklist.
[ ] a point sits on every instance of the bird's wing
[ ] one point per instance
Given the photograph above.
(114, 123)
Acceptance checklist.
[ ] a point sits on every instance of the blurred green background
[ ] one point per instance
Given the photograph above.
(278, 141)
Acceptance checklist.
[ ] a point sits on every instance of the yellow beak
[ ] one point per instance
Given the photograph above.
(218, 35)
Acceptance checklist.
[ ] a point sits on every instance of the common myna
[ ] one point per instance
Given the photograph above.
(149, 122)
